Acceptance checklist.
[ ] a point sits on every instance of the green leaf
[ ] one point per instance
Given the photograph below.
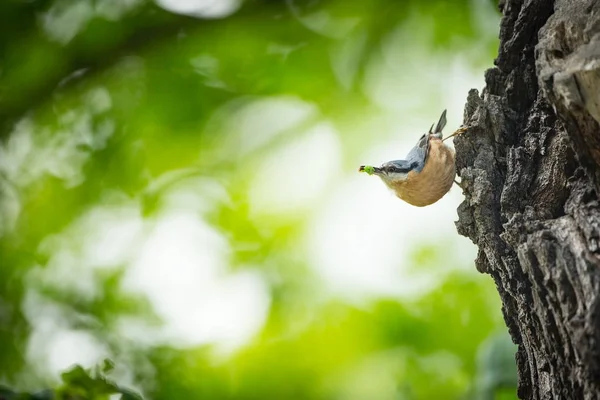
(107, 366)
(80, 380)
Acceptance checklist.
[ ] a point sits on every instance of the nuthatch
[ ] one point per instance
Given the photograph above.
(427, 173)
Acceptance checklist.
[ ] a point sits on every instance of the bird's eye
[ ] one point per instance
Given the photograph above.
(392, 169)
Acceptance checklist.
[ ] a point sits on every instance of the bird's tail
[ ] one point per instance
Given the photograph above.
(440, 125)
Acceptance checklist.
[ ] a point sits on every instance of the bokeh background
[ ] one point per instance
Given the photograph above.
(179, 194)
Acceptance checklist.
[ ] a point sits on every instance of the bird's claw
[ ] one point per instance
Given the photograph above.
(460, 131)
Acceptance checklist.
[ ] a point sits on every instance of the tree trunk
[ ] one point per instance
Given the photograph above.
(530, 167)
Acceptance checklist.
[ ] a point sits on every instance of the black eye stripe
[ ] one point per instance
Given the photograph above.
(392, 168)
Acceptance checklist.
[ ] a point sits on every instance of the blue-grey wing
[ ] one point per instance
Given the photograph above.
(418, 154)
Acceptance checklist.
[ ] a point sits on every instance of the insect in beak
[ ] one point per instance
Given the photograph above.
(370, 170)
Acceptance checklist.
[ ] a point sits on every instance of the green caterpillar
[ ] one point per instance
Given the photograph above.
(367, 168)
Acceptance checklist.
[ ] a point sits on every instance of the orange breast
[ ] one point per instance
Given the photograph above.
(434, 181)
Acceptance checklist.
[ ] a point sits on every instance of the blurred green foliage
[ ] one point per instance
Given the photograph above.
(105, 104)
(79, 383)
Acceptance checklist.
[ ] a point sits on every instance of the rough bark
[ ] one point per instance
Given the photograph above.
(530, 167)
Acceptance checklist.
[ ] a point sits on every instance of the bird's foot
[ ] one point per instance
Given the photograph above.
(460, 131)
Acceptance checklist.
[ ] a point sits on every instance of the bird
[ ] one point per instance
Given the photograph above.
(428, 171)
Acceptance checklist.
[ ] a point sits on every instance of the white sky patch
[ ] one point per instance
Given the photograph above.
(249, 124)
(293, 177)
(323, 22)
(181, 268)
(65, 19)
(194, 193)
(201, 8)
(10, 207)
(33, 151)
(404, 84)
(53, 346)
(115, 9)
(346, 57)
(16, 153)
(104, 237)
(69, 347)
(208, 67)
(113, 235)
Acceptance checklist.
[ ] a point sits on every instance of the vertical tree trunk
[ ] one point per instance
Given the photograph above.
(530, 167)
